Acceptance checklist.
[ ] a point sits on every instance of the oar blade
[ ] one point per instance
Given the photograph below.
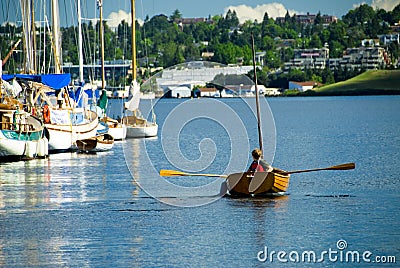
(171, 173)
(346, 166)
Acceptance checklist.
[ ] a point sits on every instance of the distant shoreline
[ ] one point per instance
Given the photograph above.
(376, 82)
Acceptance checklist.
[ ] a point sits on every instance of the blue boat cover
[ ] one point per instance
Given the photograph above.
(55, 81)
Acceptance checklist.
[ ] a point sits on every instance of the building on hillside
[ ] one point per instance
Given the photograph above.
(395, 28)
(314, 58)
(368, 58)
(386, 39)
(260, 58)
(309, 19)
(189, 21)
(303, 86)
(370, 43)
(207, 55)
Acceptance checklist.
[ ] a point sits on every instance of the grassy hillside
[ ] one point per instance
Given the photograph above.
(367, 83)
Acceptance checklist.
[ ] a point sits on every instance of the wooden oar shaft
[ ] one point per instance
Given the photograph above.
(338, 167)
(174, 173)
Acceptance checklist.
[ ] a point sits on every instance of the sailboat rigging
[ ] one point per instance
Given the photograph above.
(137, 126)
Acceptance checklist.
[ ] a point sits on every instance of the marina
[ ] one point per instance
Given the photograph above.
(74, 209)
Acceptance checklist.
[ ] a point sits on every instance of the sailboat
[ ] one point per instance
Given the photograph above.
(137, 125)
(22, 135)
(67, 123)
(101, 141)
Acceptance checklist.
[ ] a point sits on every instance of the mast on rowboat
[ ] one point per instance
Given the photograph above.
(256, 89)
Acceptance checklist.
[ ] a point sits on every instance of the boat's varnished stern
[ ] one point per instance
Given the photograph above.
(273, 183)
(262, 183)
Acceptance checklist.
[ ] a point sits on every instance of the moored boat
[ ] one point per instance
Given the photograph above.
(116, 129)
(139, 127)
(99, 143)
(21, 135)
(64, 131)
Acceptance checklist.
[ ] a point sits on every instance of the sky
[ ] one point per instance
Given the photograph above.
(116, 10)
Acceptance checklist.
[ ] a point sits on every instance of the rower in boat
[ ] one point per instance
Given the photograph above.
(259, 164)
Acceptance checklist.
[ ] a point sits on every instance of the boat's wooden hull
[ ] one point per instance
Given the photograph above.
(99, 143)
(263, 183)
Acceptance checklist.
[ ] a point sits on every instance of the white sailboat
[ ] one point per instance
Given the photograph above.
(137, 126)
(101, 141)
(68, 123)
(116, 129)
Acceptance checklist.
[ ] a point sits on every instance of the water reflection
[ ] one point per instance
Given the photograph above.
(61, 178)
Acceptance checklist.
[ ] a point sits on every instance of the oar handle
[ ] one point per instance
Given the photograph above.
(346, 166)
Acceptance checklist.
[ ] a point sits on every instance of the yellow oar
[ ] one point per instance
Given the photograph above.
(172, 173)
(346, 166)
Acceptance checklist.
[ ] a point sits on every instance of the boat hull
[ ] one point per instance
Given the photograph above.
(139, 127)
(23, 137)
(100, 143)
(64, 136)
(118, 132)
(141, 131)
(262, 183)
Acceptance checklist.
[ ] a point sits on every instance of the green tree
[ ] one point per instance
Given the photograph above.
(176, 15)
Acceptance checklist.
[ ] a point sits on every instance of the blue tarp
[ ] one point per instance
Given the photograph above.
(55, 81)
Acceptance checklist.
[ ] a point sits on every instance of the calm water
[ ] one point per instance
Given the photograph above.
(78, 210)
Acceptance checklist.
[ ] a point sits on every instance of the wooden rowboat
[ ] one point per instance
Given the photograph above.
(262, 183)
(98, 143)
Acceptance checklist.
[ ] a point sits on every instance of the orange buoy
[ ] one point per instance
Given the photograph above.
(46, 114)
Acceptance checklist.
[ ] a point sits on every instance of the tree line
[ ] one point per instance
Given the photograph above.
(163, 42)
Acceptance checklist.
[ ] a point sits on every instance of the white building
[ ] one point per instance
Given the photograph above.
(178, 92)
(389, 38)
(270, 91)
(302, 86)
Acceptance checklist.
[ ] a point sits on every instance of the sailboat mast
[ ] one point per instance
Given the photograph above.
(33, 28)
(56, 36)
(100, 3)
(27, 36)
(80, 43)
(134, 74)
(256, 89)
